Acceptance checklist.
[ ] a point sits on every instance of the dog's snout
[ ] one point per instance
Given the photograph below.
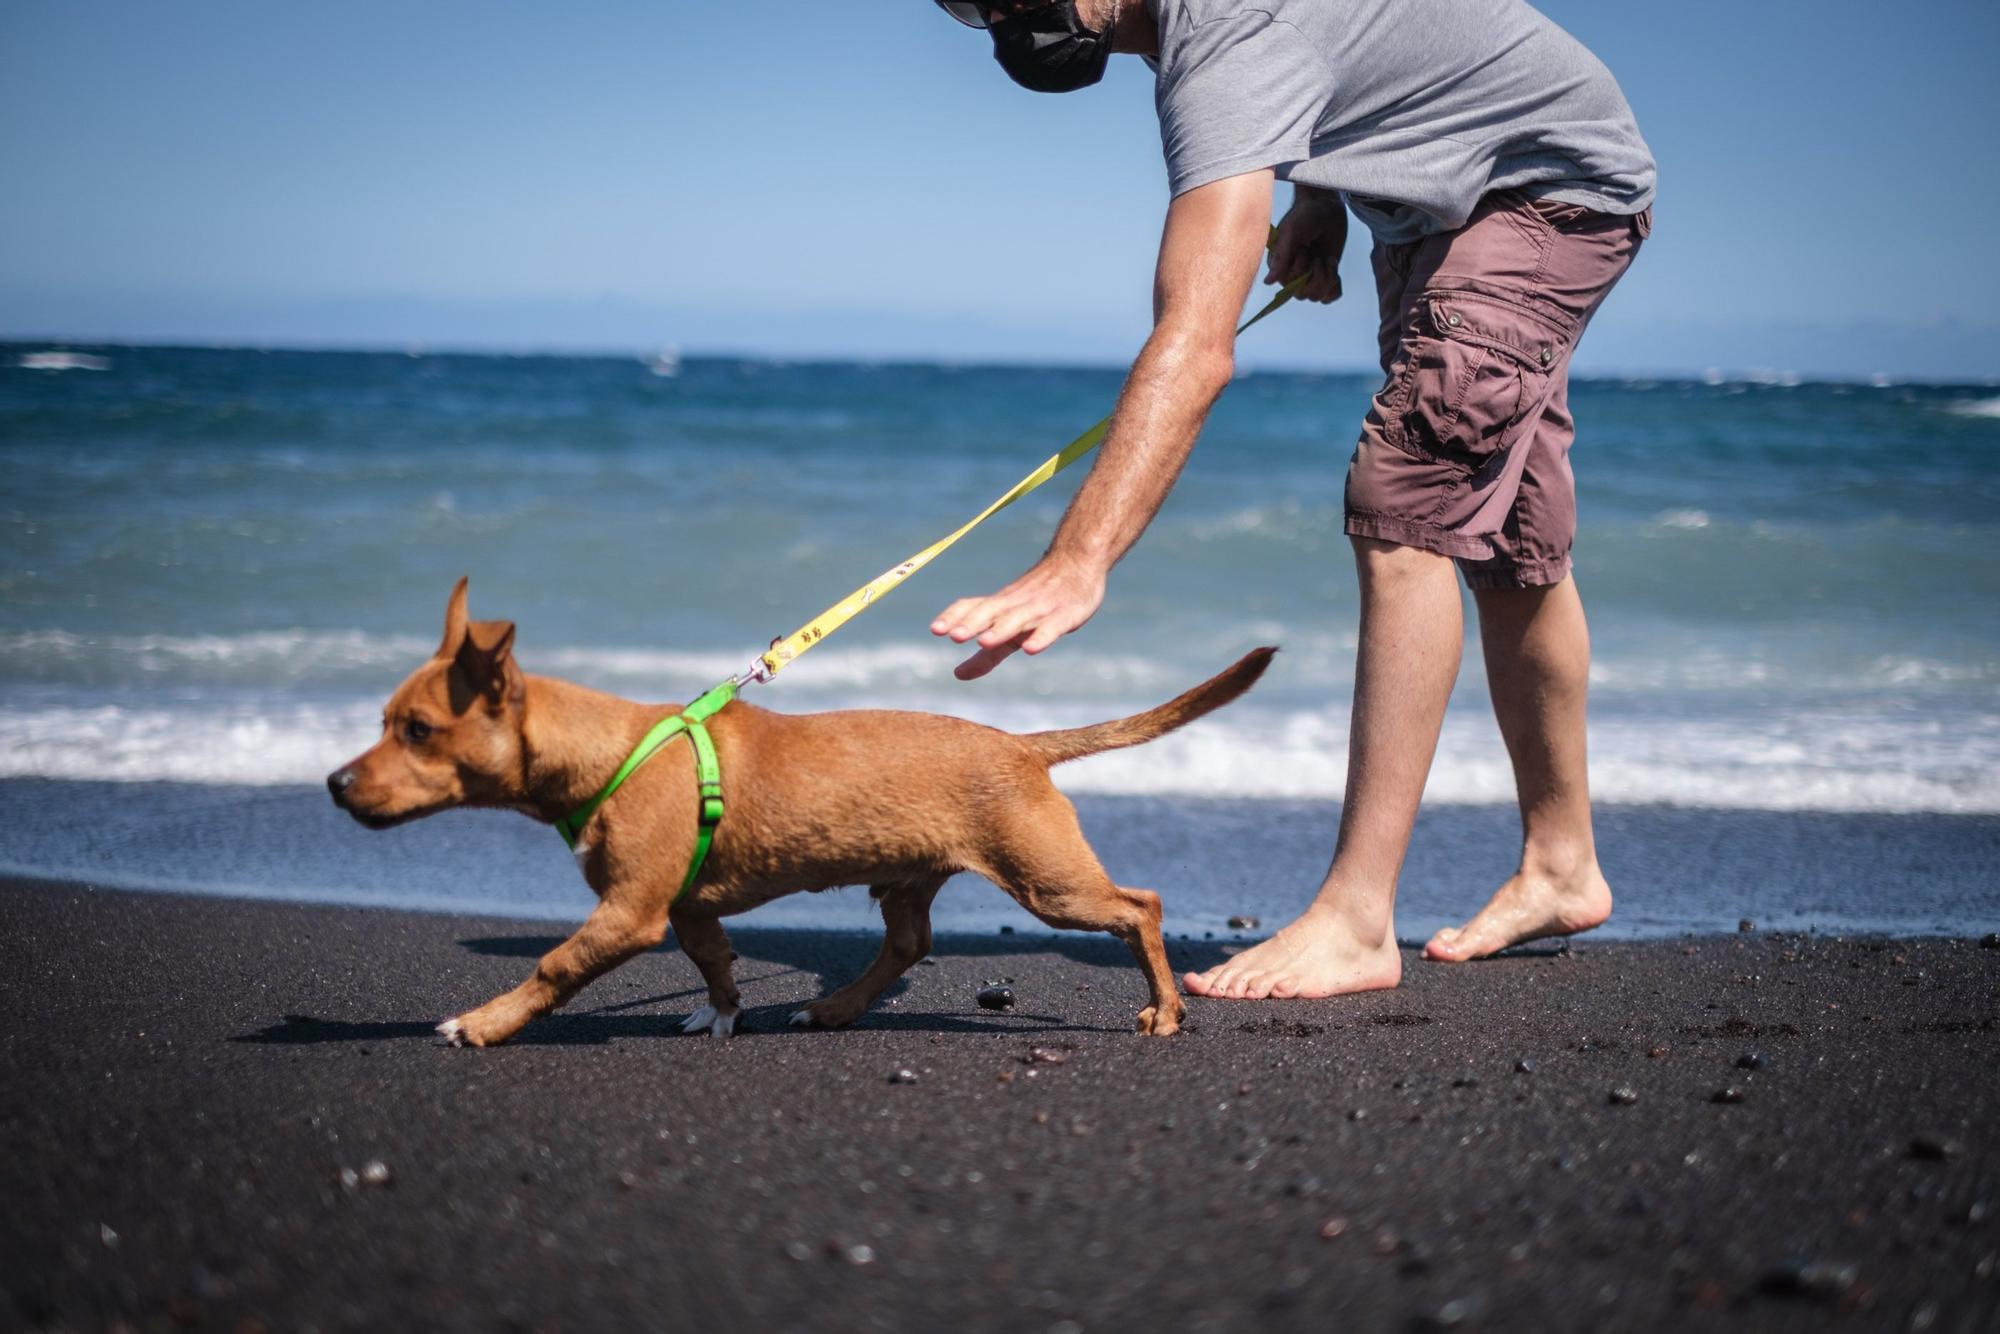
(339, 781)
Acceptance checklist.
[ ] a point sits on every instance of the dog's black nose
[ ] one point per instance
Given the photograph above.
(338, 782)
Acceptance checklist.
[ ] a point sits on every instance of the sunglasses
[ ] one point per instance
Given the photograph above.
(969, 12)
(972, 13)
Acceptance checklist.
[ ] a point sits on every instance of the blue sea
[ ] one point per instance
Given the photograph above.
(218, 562)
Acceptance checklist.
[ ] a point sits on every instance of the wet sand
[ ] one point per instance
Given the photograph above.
(233, 1114)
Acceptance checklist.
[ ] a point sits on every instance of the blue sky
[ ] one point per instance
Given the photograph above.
(859, 180)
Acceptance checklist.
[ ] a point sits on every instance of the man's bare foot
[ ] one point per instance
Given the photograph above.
(1527, 907)
(1316, 955)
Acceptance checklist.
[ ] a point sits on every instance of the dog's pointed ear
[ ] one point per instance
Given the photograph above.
(454, 621)
(483, 667)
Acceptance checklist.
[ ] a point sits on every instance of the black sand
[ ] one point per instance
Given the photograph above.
(187, 1080)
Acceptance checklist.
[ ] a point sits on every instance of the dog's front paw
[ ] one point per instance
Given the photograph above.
(1159, 1022)
(453, 1032)
(718, 1024)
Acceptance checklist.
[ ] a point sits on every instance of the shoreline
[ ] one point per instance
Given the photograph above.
(203, 1089)
(1674, 870)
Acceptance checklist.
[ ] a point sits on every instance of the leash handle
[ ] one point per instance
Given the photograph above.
(785, 651)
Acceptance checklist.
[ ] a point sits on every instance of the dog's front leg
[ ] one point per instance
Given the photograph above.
(704, 941)
(611, 934)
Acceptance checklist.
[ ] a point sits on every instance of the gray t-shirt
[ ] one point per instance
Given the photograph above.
(1411, 108)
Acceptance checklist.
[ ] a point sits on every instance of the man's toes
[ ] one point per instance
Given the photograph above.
(1445, 945)
(1284, 988)
(1200, 984)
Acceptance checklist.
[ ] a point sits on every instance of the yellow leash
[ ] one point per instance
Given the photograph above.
(784, 651)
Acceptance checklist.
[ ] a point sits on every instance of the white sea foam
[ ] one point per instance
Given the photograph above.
(1829, 760)
(1976, 407)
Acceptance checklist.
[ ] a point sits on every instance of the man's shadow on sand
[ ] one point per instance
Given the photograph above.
(832, 958)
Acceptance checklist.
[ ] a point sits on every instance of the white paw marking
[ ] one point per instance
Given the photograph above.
(803, 1019)
(453, 1032)
(718, 1025)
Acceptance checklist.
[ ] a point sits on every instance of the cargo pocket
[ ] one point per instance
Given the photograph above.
(1476, 367)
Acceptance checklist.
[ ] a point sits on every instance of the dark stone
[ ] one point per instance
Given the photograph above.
(1933, 1148)
(995, 998)
(1243, 922)
(903, 1077)
(1623, 1096)
(1466, 1082)
(1990, 941)
(1750, 1060)
(1730, 1094)
(1745, 924)
(1813, 1280)
(1524, 1066)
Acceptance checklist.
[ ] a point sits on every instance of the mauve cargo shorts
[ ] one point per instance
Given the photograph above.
(1465, 450)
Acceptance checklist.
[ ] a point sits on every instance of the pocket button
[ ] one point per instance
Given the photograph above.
(1452, 319)
(1547, 356)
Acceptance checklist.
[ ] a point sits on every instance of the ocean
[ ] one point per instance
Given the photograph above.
(218, 562)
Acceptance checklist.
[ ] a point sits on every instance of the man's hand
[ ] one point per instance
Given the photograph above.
(1055, 597)
(1311, 236)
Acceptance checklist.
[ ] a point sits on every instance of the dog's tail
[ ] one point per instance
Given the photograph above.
(1076, 742)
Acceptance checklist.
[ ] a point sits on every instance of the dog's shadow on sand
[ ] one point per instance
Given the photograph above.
(830, 958)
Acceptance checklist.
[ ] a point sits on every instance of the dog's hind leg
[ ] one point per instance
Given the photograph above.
(1039, 856)
(704, 941)
(612, 933)
(906, 917)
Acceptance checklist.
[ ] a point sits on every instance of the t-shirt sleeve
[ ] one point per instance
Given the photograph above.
(1236, 94)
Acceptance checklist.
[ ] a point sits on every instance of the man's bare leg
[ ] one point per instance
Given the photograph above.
(1538, 668)
(1412, 631)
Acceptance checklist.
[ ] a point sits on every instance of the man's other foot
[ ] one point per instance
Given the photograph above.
(1316, 955)
(1527, 907)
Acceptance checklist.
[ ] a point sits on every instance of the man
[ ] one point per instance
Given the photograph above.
(1507, 186)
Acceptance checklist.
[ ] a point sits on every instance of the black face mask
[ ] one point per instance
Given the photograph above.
(1048, 50)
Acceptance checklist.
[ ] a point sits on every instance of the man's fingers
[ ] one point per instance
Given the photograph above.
(1011, 625)
(983, 661)
(1048, 632)
(951, 615)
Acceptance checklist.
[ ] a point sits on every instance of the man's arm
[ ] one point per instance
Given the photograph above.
(1209, 252)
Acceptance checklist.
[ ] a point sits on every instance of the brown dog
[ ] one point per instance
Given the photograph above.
(897, 801)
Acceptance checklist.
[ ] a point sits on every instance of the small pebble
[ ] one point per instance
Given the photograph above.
(1973, 1214)
(1818, 1280)
(798, 1250)
(375, 1172)
(928, 962)
(1750, 1060)
(860, 1255)
(995, 998)
(1243, 922)
(1623, 1096)
(1005, 931)
(1358, 1114)
(349, 1179)
(1745, 924)
(1045, 1056)
(1333, 1228)
(1466, 1082)
(903, 1077)
(1990, 941)
(1933, 1148)
(1656, 1053)
(1730, 1094)
(1524, 1066)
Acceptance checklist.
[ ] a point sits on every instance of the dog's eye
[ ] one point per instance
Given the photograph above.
(417, 730)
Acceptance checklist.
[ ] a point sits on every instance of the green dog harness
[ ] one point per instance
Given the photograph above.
(707, 772)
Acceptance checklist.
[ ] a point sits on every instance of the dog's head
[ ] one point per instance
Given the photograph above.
(451, 734)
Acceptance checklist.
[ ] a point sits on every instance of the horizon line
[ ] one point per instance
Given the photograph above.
(418, 348)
